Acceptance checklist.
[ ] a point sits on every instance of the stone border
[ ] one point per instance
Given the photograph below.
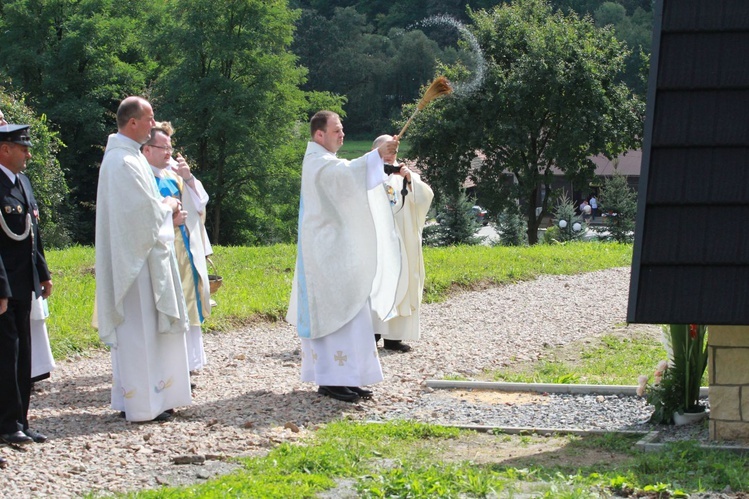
(542, 387)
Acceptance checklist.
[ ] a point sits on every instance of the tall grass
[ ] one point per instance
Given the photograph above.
(257, 280)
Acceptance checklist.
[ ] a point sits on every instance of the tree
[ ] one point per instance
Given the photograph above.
(75, 60)
(43, 169)
(456, 223)
(376, 73)
(567, 225)
(232, 92)
(618, 199)
(549, 102)
(511, 228)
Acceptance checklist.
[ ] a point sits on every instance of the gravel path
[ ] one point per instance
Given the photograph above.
(249, 397)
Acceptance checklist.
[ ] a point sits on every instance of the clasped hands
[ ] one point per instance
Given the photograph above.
(179, 216)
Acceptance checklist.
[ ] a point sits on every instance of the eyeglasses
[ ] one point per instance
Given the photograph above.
(166, 148)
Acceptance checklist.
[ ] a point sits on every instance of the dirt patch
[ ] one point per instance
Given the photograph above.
(495, 397)
(525, 450)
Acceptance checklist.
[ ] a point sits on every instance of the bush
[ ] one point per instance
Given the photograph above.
(511, 226)
(456, 224)
(564, 214)
(618, 198)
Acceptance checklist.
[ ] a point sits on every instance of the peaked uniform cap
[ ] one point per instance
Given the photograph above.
(18, 134)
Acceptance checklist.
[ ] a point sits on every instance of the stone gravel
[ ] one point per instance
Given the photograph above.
(249, 397)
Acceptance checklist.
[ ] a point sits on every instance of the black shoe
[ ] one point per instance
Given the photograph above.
(3, 462)
(365, 394)
(16, 438)
(35, 435)
(164, 416)
(397, 345)
(339, 393)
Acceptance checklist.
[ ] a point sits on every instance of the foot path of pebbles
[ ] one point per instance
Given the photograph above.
(249, 397)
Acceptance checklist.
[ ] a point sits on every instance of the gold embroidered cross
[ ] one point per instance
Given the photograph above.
(340, 358)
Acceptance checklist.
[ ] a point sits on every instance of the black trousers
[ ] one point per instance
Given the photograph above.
(15, 365)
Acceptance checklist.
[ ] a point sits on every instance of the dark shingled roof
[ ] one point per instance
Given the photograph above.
(691, 253)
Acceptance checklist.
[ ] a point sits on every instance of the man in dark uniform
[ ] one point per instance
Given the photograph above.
(23, 270)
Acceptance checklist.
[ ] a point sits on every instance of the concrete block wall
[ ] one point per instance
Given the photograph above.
(728, 369)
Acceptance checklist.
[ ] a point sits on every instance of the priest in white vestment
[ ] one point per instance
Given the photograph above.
(348, 262)
(189, 245)
(410, 212)
(139, 309)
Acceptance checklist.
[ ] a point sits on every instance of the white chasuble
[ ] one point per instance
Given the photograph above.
(410, 216)
(348, 264)
(139, 310)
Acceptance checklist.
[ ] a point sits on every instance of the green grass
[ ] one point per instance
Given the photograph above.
(403, 459)
(616, 360)
(451, 268)
(257, 280)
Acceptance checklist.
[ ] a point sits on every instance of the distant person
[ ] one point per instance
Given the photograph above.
(410, 214)
(347, 262)
(23, 272)
(173, 178)
(140, 309)
(585, 210)
(593, 205)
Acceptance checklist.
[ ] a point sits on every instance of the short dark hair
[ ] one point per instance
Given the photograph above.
(130, 107)
(320, 121)
(154, 131)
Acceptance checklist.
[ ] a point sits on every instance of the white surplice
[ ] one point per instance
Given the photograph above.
(410, 216)
(139, 310)
(347, 265)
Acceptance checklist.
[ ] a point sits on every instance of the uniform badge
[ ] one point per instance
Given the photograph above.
(36, 213)
(8, 209)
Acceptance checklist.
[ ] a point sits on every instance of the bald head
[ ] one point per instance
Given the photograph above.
(381, 140)
(135, 119)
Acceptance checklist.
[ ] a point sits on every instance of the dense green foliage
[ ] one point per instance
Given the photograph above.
(257, 280)
(238, 80)
(221, 72)
(43, 169)
(549, 102)
(232, 86)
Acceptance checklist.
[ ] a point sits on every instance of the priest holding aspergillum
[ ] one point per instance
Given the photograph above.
(348, 262)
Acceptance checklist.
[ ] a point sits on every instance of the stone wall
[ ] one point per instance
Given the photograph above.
(728, 368)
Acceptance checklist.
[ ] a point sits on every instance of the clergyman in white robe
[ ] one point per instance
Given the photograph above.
(347, 265)
(140, 310)
(410, 216)
(194, 201)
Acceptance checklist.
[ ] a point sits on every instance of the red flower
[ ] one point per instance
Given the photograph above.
(693, 328)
